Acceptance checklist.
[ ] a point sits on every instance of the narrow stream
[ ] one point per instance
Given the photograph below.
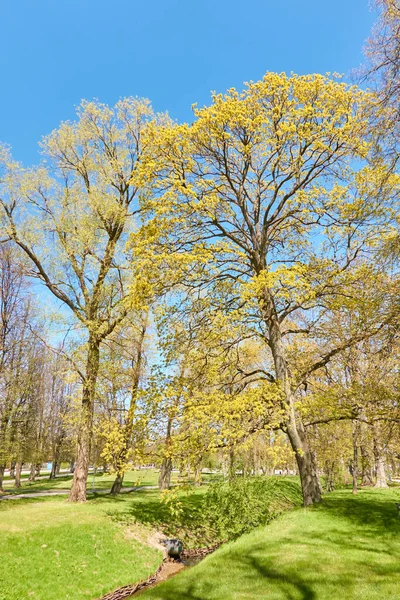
(168, 570)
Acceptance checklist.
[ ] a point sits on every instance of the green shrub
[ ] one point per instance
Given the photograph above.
(234, 507)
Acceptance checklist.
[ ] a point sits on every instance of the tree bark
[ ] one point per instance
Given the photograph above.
(117, 485)
(79, 483)
(381, 477)
(354, 467)
(164, 480)
(32, 473)
(18, 469)
(294, 426)
(53, 470)
(2, 469)
(12, 469)
(380, 461)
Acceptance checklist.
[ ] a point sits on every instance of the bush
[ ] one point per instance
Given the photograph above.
(234, 507)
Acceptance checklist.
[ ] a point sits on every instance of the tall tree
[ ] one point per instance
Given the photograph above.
(70, 218)
(266, 191)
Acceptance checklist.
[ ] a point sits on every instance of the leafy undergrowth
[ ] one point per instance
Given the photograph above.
(348, 547)
(222, 511)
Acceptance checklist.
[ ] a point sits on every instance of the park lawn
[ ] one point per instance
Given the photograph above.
(99, 481)
(53, 550)
(346, 548)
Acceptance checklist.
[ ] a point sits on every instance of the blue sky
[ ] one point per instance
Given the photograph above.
(53, 53)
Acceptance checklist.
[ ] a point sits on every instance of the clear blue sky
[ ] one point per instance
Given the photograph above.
(53, 53)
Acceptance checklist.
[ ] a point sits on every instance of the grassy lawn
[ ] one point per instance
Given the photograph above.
(53, 550)
(98, 481)
(347, 548)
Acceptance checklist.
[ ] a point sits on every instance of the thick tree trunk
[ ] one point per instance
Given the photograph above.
(294, 425)
(32, 473)
(164, 479)
(381, 477)
(79, 483)
(12, 469)
(18, 469)
(380, 461)
(2, 469)
(308, 476)
(117, 485)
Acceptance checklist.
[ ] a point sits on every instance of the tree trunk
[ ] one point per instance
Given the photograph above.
(12, 469)
(366, 471)
(18, 469)
(294, 426)
(128, 429)
(381, 478)
(2, 469)
(38, 468)
(53, 471)
(197, 474)
(32, 473)
(380, 461)
(354, 467)
(329, 476)
(117, 485)
(164, 479)
(79, 483)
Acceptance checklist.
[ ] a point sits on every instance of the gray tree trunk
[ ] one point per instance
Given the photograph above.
(18, 469)
(79, 483)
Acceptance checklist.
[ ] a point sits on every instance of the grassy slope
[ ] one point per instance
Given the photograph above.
(347, 548)
(53, 550)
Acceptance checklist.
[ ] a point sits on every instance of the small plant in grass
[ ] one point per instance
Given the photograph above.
(171, 500)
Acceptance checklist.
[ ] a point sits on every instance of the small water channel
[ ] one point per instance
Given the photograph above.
(168, 570)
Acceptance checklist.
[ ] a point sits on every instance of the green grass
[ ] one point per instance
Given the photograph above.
(53, 550)
(98, 482)
(347, 548)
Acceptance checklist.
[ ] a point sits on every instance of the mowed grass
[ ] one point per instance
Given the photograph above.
(347, 548)
(53, 550)
(100, 481)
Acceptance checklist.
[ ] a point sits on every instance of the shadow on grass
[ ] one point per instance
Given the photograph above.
(344, 548)
(369, 509)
